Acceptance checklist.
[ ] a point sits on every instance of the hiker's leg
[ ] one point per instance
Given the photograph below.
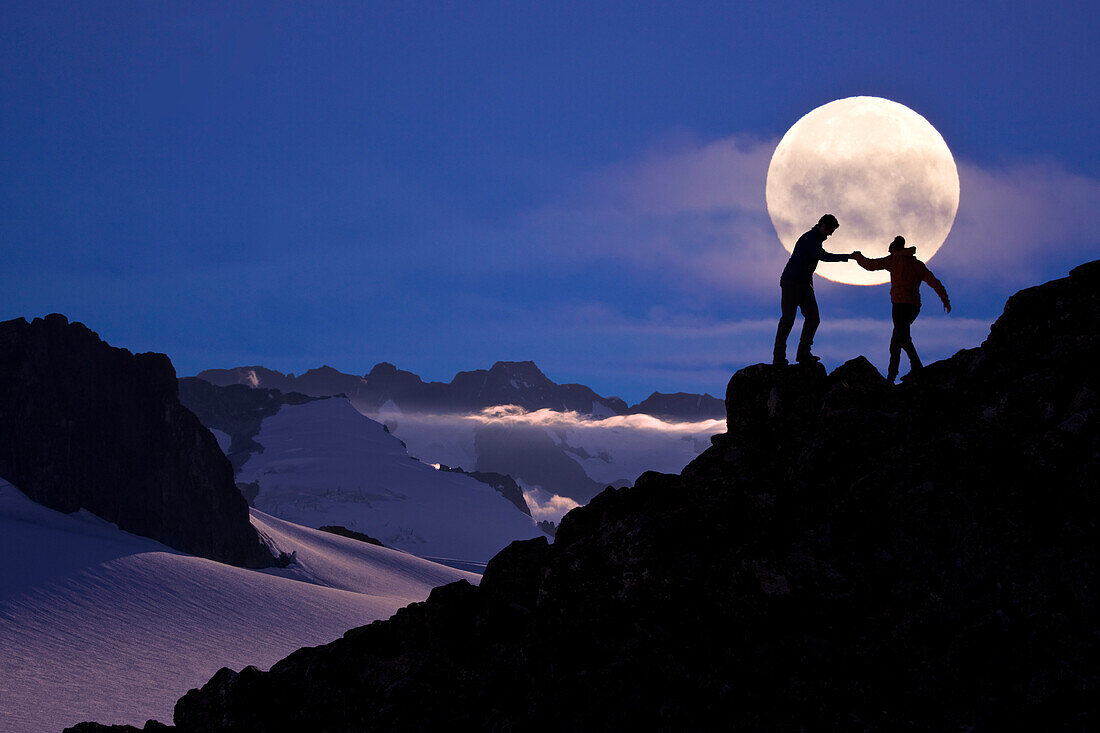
(897, 337)
(908, 315)
(788, 305)
(808, 303)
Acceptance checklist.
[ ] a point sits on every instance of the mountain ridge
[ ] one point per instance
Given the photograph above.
(849, 555)
(87, 425)
(520, 383)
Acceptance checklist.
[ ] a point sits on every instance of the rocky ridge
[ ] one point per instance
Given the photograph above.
(519, 383)
(86, 425)
(849, 555)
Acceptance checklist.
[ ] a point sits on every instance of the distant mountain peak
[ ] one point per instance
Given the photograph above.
(521, 383)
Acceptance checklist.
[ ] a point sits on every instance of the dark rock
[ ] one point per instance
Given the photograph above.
(83, 424)
(849, 556)
(350, 534)
(249, 489)
(509, 576)
(151, 725)
(238, 411)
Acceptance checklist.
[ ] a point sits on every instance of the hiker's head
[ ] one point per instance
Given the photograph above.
(827, 224)
(898, 244)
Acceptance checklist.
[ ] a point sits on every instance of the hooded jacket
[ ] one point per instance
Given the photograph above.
(906, 275)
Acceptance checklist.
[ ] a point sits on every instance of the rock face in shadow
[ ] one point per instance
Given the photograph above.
(83, 424)
(849, 556)
(350, 534)
(237, 410)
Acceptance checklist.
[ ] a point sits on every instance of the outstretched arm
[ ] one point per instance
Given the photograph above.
(830, 257)
(939, 288)
(868, 264)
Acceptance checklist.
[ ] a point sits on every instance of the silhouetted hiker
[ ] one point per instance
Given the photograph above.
(797, 284)
(906, 275)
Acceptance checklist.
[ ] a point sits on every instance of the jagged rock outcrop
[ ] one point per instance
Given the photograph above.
(849, 556)
(237, 410)
(83, 424)
(350, 534)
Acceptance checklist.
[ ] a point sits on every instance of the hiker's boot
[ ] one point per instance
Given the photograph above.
(805, 357)
(892, 370)
(914, 369)
(779, 360)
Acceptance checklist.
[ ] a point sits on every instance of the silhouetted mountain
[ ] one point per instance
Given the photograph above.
(237, 410)
(83, 424)
(250, 376)
(505, 383)
(681, 406)
(850, 555)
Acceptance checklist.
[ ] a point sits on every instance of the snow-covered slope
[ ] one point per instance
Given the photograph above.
(99, 624)
(325, 463)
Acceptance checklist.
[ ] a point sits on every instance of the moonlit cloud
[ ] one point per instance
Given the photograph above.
(546, 507)
(610, 451)
(1011, 221)
(514, 415)
(697, 215)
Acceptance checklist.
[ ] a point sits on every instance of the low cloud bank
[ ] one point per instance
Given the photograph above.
(547, 507)
(514, 415)
(552, 454)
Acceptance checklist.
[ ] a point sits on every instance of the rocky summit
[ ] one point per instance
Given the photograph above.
(850, 555)
(86, 425)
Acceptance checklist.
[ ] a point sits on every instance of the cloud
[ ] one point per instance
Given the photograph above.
(610, 451)
(547, 507)
(1019, 221)
(696, 215)
(513, 415)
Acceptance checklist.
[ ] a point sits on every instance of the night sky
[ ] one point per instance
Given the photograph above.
(443, 186)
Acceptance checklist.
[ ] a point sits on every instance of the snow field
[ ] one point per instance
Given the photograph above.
(99, 624)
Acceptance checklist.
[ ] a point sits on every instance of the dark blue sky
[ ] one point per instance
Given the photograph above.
(445, 186)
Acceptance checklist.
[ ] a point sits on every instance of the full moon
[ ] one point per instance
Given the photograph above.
(879, 166)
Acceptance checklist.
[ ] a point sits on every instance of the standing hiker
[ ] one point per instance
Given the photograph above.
(906, 275)
(797, 285)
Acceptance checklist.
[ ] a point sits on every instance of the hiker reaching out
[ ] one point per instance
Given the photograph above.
(797, 287)
(906, 275)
